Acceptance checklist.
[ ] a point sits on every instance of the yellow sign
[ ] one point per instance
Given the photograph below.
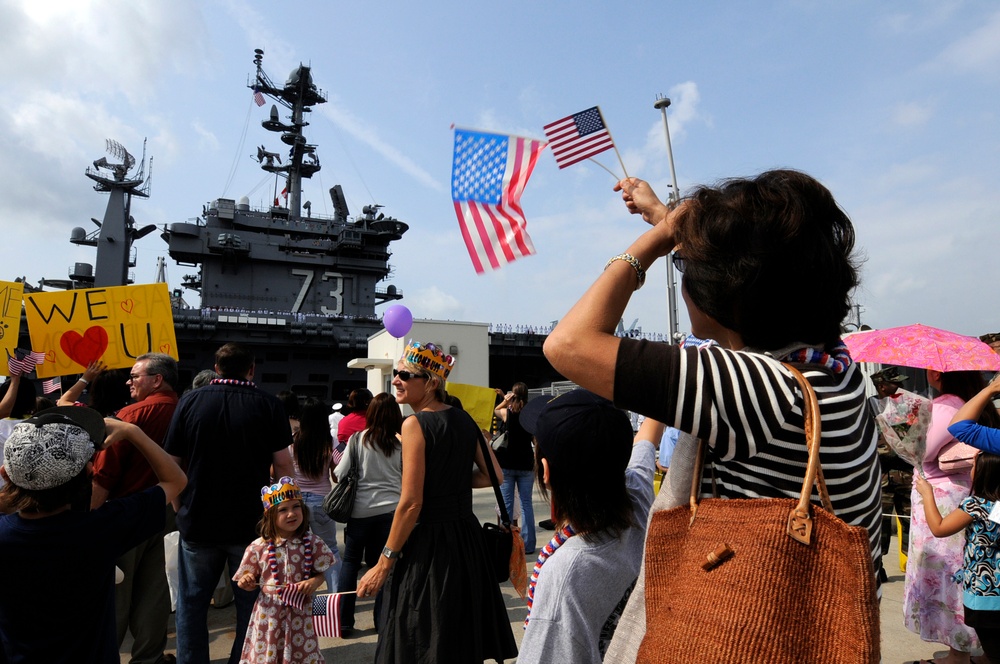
(115, 324)
(10, 320)
(477, 401)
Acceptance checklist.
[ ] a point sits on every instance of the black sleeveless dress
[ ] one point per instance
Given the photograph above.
(442, 603)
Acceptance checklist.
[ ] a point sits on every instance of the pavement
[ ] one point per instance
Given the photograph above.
(898, 644)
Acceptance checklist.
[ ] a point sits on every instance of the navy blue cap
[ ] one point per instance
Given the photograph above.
(579, 426)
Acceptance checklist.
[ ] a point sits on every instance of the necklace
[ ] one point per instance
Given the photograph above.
(272, 558)
(557, 541)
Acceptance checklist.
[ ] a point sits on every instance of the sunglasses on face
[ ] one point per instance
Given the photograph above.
(405, 375)
(679, 262)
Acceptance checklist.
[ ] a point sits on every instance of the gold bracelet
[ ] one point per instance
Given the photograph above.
(634, 262)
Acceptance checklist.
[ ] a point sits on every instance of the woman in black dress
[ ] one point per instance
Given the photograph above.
(442, 602)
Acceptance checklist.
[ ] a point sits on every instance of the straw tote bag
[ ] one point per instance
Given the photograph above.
(770, 580)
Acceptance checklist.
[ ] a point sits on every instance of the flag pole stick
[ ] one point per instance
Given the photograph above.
(662, 103)
(603, 121)
(613, 174)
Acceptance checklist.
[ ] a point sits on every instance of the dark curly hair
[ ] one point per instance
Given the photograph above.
(769, 257)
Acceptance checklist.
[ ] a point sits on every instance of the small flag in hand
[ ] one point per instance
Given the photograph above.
(290, 595)
(52, 385)
(25, 365)
(326, 615)
(338, 453)
(258, 97)
(578, 137)
(489, 172)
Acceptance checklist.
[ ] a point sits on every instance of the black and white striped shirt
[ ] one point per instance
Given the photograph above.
(748, 407)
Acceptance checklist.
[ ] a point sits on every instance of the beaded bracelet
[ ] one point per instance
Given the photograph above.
(634, 262)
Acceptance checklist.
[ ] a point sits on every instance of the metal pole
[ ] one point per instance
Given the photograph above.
(662, 103)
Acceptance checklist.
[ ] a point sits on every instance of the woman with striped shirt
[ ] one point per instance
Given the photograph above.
(767, 271)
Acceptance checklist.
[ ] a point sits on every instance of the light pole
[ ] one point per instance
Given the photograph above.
(662, 103)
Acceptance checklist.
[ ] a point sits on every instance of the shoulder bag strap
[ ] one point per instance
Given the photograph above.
(504, 517)
(800, 519)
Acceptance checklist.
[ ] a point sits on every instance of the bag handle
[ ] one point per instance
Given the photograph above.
(488, 459)
(800, 518)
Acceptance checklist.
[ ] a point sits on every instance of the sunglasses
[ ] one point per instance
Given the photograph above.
(679, 262)
(405, 375)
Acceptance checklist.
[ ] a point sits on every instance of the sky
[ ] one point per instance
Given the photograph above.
(892, 105)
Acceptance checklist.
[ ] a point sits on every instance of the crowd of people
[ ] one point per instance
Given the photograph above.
(768, 265)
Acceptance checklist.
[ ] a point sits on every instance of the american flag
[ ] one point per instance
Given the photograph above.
(489, 172)
(258, 97)
(326, 615)
(290, 595)
(578, 137)
(338, 453)
(25, 365)
(52, 385)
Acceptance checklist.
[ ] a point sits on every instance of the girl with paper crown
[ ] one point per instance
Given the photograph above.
(442, 602)
(288, 563)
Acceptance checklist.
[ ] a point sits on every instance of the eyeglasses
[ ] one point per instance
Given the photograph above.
(134, 377)
(405, 375)
(679, 262)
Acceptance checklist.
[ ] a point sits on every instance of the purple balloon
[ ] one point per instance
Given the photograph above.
(397, 320)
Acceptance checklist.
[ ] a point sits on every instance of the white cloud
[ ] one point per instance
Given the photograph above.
(434, 303)
(911, 114)
(368, 135)
(978, 51)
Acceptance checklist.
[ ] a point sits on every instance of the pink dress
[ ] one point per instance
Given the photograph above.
(932, 599)
(278, 632)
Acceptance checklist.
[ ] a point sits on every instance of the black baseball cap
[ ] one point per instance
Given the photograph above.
(579, 427)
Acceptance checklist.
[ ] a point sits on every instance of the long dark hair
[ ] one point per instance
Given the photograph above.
(986, 476)
(384, 421)
(359, 400)
(965, 385)
(520, 391)
(314, 444)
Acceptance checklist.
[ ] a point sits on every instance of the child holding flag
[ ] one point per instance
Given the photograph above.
(288, 562)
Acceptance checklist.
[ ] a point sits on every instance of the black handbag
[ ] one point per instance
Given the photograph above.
(499, 539)
(339, 503)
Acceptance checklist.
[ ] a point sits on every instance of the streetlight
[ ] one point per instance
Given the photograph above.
(662, 103)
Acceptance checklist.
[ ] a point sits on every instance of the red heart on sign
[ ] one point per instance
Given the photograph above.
(86, 348)
(128, 305)
(165, 348)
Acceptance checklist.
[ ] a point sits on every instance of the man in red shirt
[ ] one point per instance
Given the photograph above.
(142, 599)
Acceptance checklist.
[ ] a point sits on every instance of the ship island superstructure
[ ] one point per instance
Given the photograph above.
(300, 290)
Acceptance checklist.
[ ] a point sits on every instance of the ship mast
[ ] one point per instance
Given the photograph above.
(297, 95)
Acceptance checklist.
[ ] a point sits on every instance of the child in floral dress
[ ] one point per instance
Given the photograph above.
(979, 576)
(288, 562)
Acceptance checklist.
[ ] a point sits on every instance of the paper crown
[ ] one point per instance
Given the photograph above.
(429, 358)
(282, 490)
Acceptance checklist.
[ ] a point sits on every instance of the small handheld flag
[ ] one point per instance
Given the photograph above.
(489, 172)
(326, 615)
(26, 364)
(579, 136)
(290, 595)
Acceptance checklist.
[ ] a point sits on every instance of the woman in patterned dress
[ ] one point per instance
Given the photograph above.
(932, 601)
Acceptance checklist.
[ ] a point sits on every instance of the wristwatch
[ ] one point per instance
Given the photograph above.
(390, 554)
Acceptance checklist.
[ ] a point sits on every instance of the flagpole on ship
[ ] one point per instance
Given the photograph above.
(662, 103)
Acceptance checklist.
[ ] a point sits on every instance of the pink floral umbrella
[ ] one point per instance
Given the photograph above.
(922, 347)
